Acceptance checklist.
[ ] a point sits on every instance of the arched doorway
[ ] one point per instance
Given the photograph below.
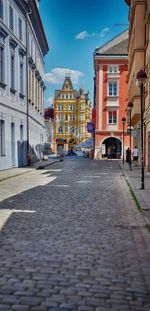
(115, 145)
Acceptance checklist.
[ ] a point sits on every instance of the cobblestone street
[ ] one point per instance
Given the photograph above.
(72, 239)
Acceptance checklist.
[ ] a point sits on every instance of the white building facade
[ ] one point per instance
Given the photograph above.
(22, 48)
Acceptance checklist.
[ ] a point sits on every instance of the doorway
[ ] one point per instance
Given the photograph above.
(113, 144)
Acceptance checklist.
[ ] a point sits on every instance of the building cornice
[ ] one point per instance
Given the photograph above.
(22, 112)
(39, 30)
(105, 56)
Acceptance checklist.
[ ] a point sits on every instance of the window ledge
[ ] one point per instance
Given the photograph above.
(3, 155)
(2, 85)
(13, 91)
(21, 96)
(113, 96)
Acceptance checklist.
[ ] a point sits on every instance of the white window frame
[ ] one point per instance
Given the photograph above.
(111, 111)
(113, 68)
(61, 117)
(60, 107)
(72, 117)
(113, 83)
(82, 117)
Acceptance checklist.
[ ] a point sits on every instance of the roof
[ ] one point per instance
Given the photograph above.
(117, 46)
(128, 2)
(68, 82)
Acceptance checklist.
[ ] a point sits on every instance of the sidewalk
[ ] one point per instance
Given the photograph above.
(16, 171)
(134, 179)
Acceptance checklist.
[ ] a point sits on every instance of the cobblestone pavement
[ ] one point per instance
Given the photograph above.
(72, 239)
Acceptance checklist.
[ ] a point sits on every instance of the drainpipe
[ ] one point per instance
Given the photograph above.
(28, 160)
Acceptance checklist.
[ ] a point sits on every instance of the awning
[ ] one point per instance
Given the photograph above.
(86, 144)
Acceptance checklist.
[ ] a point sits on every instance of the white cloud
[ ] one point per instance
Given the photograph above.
(82, 35)
(104, 32)
(57, 75)
(85, 34)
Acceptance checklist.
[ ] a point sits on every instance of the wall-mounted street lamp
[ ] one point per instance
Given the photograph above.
(123, 123)
(141, 78)
(129, 109)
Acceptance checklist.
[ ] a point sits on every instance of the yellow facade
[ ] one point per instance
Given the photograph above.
(72, 111)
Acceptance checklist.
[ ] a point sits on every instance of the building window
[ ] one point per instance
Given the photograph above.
(2, 137)
(21, 78)
(72, 129)
(81, 129)
(72, 117)
(60, 107)
(113, 69)
(82, 117)
(1, 64)
(82, 107)
(112, 89)
(60, 129)
(11, 18)
(12, 71)
(1, 8)
(112, 117)
(61, 117)
(20, 29)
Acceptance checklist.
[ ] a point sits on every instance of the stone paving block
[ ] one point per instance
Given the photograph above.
(83, 247)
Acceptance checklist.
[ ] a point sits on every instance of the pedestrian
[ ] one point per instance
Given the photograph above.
(135, 155)
(128, 155)
(109, 153)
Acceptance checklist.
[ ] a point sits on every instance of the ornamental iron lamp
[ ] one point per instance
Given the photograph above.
(129, 109)
(141, 78)
(123, 123)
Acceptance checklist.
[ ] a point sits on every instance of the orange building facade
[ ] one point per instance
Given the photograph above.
(111, 70)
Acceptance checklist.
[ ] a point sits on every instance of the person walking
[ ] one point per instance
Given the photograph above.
(128, 155)
(135, 155)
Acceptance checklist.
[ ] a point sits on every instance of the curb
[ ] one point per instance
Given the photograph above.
(138, 204)
(45, 165)
(19, 174)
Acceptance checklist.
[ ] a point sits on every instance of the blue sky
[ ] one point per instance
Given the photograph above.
(74, 28)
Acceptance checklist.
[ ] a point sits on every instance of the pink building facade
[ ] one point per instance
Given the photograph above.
(111, 89)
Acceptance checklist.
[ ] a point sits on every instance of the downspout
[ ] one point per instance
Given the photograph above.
(28, 160)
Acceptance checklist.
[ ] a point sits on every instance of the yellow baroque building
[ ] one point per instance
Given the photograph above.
(72, 111)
